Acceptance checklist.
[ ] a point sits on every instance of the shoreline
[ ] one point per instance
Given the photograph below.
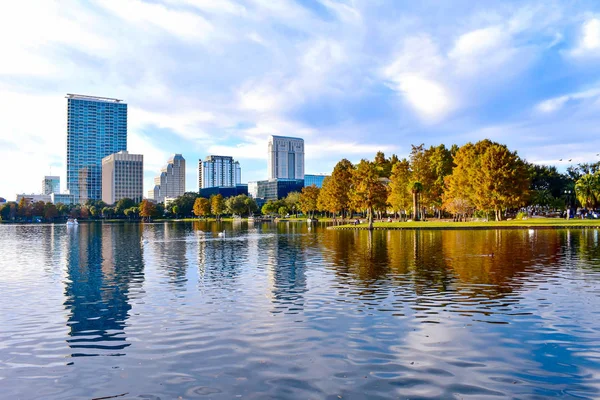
(542, 223)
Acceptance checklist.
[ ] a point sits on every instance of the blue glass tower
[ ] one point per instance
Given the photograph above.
(96, 128)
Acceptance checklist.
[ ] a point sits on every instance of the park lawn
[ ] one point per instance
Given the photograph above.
(436, 224)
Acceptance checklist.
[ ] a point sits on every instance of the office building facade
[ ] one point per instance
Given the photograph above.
(316, 180)
(51, 184)
(122, 177)
(171, 181)
(219, 171)
(96, 128)
(274, 189)
(286, 158)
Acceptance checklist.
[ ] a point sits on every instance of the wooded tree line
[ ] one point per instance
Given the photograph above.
(485, 177)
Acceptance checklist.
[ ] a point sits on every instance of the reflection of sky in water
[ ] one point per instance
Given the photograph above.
(284, 312)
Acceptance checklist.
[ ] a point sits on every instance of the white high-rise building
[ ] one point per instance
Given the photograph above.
(171, 181)
(286, 158)
(219, 171)
(122, 177)
(51, 184)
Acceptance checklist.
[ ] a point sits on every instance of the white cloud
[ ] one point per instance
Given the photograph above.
(185, 25)
(556, 103)
(589, 40)
(412, 75)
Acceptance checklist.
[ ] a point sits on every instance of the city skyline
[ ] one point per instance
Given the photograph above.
(351, 79)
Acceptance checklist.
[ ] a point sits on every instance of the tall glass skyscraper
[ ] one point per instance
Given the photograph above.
(96, 128)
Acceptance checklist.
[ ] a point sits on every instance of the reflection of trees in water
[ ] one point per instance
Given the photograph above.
(219, 260)
(587, 243)
(433, 262)
(287, 270)
(103, 264)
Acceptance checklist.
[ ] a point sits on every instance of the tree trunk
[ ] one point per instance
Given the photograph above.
(370, 217)
(415, 207)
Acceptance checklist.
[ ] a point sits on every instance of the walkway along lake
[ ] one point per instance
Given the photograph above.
(280, 311)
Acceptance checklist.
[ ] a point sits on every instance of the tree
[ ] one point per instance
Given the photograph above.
(489, 176)
(201, 207)
(292, 202)
(50, 212)
(416, 188)
(24, 208)
(587, 189)
(94, 211)
(270, 207)
(236, 205)
(175, 210)
(282, 211)
(5, 212)
(217, 205)
(251, 205)
(308, 200)
(384, 166)
(184, 203)
(367, 191)
(124, 204)
(108, 212)
(399, 197)
(334, 196)
(147, 210)
(546, 179)
(38, 209)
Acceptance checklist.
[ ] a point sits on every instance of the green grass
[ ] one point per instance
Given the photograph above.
(436, 224)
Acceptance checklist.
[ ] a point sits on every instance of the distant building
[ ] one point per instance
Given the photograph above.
(274, 189)
(63, 198)
(2, 200)
(51, 184)
(96, 128)
(316, 180)
(225, 191)
(122, 177)
(34, 198)
(286, 158)
(218, 171)
(171, 181)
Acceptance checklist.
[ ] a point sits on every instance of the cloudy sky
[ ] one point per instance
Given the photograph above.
(349, 76)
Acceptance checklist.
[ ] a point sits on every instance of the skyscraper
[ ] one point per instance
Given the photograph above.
(51, 184)
(96, 128)
(219, 171)
(171, 181)
(122, 177)
(286, 158)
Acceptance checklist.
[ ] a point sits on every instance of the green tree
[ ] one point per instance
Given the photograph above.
(269, 208)
(309, 197)
(124, 204)
(175, 210)
(282, 211)
(587, 189)
(24, 208)
(399, 197)
(217, 205)
(94, 211)
(236, 205)
(108, 212)
(367, 190)
(251, 205)
(38, 209)
(292, 202)
(327, 200)
(5, 212)
(201, 207)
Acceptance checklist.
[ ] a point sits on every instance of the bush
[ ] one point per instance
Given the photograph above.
(521, 215)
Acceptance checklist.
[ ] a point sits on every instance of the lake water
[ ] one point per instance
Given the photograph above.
(172, 310)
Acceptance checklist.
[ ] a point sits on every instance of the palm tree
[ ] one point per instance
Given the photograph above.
(416, 188)
(587, 189)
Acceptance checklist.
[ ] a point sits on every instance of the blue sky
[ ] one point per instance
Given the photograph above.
(208, 77)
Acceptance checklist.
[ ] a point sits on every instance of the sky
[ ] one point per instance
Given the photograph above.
(204, 77)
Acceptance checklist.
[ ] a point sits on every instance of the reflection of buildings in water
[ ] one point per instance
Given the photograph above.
(221, 260)
(103, 265)
(287, 274)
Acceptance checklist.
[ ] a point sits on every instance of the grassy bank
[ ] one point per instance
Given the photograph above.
(515, 224)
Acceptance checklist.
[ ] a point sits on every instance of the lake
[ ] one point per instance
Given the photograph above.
(280, 311)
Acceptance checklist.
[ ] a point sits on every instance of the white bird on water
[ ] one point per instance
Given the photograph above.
(222, 234)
